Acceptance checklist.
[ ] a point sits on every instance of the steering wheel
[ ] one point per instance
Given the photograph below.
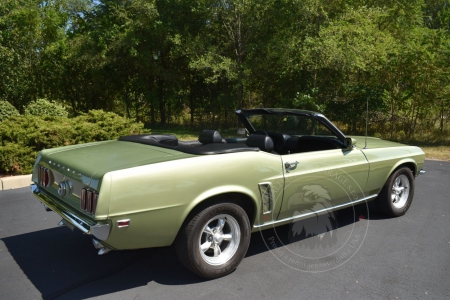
(260, 132)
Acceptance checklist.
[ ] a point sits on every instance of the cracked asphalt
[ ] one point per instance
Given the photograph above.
(399, 258)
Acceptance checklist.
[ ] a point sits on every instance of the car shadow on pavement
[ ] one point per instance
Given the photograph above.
(343, 218)
(58, 261)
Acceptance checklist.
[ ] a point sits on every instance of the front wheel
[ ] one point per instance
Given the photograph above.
(214, 241)
(397, 194)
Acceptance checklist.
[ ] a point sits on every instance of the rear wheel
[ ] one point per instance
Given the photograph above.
(214, 241)
(397, 194)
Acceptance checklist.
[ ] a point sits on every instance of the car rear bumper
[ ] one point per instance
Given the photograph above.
(100, 231)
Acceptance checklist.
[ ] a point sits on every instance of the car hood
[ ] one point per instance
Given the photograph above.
(373, 142)
(89, 162)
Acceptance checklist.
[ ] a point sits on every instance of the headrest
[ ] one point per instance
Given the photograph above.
(263, 142)
(209, 137)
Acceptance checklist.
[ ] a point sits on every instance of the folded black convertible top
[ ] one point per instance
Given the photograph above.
(170, 141)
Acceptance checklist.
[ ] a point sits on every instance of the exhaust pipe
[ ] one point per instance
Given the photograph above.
(101, 249)
(104, 250)
(67, 224)
(46, 207)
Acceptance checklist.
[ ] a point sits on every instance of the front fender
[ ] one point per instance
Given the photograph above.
(384, 161)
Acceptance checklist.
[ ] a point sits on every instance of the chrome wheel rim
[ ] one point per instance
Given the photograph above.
(400, 191)
(219, 239)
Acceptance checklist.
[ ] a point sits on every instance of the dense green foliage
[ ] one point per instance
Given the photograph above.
(195, 62)
(43, 107)
(22, 137)
(7, 110)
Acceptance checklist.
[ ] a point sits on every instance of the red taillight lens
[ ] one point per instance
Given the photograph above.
(89, 199)
(89, 202)
(45, 176)
(94, 202)
(83, 199)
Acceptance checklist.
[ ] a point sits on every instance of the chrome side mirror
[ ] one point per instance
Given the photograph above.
(349, 142)
(242, 131)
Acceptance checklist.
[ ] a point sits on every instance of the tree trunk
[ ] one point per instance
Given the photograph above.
(191, 104)
(127, 101)
(413, 129)
(392, 117)
(150, 99)
(162, 107)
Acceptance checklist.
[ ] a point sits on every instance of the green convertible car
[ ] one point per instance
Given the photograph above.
(207, 196)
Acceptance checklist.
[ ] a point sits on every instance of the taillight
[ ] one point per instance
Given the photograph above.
(45, 176)
(89, 199)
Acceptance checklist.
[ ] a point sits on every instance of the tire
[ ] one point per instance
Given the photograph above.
(397, 194)
(214, 242)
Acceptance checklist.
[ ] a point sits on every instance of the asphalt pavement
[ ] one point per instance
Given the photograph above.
(373, 257)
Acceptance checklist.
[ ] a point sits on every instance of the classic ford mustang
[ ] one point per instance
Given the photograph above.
(207, 196)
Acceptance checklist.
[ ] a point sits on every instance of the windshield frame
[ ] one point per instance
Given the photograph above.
(245, 114)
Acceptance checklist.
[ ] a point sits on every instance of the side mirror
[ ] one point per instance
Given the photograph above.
(242, 131)
(349, 142)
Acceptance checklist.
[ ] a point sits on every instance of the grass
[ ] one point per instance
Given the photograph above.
(186, 134)
(181, 134)
(436, 147)
(437, 152)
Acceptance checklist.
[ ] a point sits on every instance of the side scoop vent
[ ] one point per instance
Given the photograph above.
(89, 199)
(266, 197)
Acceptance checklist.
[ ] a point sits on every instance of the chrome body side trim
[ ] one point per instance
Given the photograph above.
(303, 216)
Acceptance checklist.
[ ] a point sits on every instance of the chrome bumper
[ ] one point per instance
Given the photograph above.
(100, 231)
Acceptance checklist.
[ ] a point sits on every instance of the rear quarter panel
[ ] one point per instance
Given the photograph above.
(158, 197)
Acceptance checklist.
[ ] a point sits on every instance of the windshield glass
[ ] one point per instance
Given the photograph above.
(289, 124)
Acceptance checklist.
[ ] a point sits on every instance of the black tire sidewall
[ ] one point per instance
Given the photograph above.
(201, 267)
(402, 210)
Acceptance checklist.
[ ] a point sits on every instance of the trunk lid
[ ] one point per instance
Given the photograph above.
(89, 162)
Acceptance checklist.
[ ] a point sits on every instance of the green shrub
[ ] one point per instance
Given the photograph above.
(98, 125)
(7, 110)
(43, 107)
(16, 159)
(31, 134)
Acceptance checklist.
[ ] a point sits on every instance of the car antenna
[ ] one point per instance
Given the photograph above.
(367, 118)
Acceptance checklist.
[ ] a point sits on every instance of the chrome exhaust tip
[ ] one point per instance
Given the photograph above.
(67, 224)
(46, 207)
(101, 249)
(97, 244)
(104, 250)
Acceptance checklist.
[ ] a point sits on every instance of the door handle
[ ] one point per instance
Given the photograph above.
(290, 166)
